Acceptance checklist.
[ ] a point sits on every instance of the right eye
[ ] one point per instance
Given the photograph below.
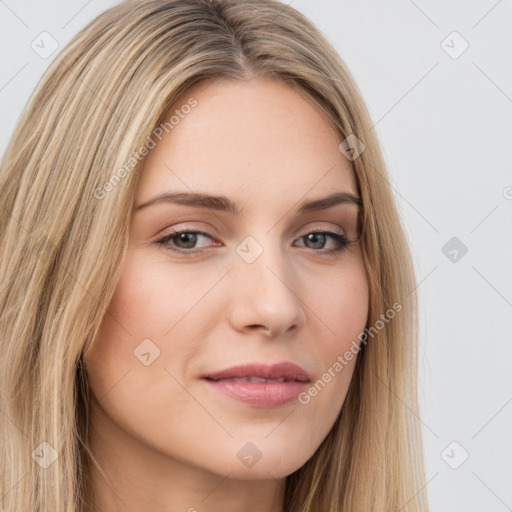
(182, 240)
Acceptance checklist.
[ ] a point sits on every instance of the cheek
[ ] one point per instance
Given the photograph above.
(152, 300)
(147, 304)
(155, 296)
(130, 319)
(339, 305)
(339, 317)
(156, 302)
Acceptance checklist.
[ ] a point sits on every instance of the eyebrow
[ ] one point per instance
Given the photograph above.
(224, 204)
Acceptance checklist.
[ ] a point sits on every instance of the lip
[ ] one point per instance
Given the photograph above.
(286, 369)
(245, 383)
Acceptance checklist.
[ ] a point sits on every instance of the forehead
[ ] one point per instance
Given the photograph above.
(259, 138)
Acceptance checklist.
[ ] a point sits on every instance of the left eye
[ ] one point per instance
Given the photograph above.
(319, 237)
(181, 241)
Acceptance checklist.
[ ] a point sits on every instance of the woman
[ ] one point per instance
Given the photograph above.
(208, 301)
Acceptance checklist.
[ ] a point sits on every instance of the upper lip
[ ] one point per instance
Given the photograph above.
(287, 370)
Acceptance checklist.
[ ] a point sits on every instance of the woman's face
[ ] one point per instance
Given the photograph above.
(254, 287)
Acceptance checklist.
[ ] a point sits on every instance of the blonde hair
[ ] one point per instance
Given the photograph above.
(62, 245)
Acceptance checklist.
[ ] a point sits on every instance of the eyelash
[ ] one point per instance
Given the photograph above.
(342, 240)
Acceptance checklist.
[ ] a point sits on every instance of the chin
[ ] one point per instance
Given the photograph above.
(264, 459)
(263, 470)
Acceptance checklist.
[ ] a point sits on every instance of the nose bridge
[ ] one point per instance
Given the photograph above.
(267, 288)
(263, 262)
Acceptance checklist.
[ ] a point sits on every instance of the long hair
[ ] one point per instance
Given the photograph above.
(67, 200)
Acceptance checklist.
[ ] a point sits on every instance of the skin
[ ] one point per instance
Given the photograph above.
(165, 440)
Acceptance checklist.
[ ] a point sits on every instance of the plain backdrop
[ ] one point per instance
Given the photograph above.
(437, 78)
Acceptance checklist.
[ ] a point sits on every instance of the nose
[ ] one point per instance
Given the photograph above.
(266, 298)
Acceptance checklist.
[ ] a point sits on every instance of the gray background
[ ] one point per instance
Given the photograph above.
(445, 123)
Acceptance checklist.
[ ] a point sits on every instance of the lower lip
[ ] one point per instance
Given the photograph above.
(260, 394)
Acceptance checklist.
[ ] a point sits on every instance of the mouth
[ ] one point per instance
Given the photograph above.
(260, 385)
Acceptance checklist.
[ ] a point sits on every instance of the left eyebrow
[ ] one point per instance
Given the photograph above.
(329, 201)
(224, 204)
